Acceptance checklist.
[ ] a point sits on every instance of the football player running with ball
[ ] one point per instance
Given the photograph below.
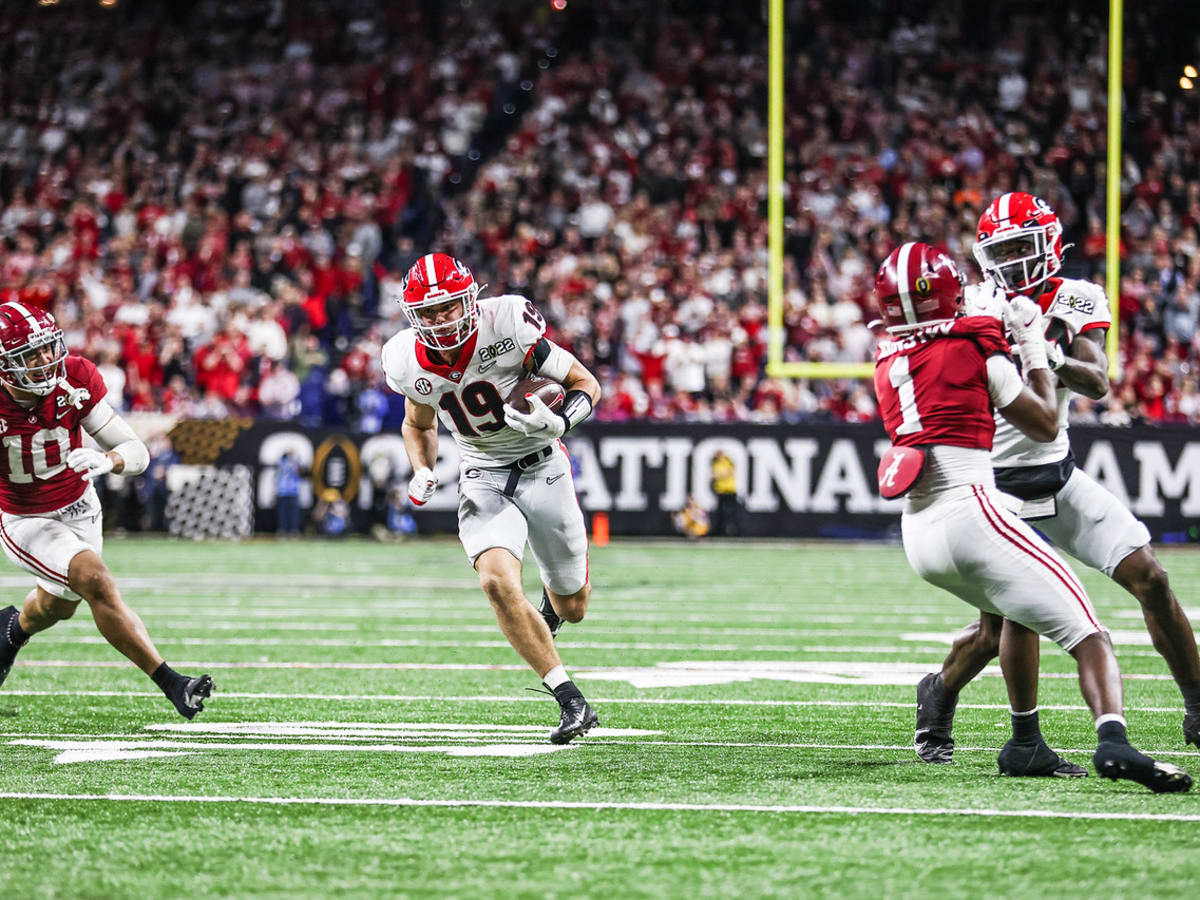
(1020, 250)
(459, 361)
(938, 381)
(50, 516)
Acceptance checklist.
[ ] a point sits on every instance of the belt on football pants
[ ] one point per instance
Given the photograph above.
(519, 467)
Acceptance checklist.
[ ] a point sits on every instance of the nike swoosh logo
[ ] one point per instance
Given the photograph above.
(488, 366)
(554, 478)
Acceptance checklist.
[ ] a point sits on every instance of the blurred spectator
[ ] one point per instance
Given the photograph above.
(287, 495)
(692, 520)
(724, 487)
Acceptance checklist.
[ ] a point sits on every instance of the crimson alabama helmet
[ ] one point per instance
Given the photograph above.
(24, 331)
(1020, 242)
(435, 281)
(918, 285)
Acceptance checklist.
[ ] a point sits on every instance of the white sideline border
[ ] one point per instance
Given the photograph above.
(611, 805)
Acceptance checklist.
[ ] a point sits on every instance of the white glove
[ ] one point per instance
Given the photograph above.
(422, 486)
(89, 463)
(1024, 319)
(984, 299)
(540, 421)
(1055, 356)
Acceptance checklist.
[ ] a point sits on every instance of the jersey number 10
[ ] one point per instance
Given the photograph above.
(36, 451)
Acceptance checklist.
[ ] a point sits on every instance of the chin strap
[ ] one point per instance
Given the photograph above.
(76, 397)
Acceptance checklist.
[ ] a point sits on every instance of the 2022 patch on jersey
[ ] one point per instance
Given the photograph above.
(469, 395)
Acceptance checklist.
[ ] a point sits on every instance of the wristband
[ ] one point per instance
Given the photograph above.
(577, 406)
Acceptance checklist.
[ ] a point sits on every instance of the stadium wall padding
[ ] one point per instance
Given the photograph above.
(809, 480)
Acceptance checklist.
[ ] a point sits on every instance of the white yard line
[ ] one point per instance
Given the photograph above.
(532, 734)
(535, 697)
(611, 805)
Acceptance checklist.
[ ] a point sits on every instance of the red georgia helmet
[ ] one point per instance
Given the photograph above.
(1019, 243)
(434, 280)
(24, 330)
(918, 285)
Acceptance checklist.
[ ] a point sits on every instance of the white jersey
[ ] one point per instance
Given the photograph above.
(1080, 306)
(469, 396)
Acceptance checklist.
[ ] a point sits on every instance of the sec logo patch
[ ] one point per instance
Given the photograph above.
(423, 386)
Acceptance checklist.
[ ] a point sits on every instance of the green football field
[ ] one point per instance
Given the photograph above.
(373, 734)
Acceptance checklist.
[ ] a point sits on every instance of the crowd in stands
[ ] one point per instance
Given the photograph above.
(217, 200)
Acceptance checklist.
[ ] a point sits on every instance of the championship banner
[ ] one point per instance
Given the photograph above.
(811, 480)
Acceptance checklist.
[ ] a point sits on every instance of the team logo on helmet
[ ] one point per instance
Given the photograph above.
(922, 285)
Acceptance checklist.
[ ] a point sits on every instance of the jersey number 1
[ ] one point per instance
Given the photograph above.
(901, 379)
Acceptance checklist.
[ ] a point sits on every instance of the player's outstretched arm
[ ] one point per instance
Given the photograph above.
(122, 453)
(1033, 406)
(1084, 368)
(419, 431)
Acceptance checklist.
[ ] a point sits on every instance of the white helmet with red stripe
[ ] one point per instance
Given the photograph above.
(918, 285)
(33, 355)
(441, 301)
(1019, 243)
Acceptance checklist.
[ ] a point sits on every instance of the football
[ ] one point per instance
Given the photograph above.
(550, 392)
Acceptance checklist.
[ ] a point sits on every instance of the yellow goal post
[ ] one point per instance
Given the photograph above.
(777, 367)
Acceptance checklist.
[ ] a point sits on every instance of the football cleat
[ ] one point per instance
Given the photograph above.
(578, 718)
(553, 620)
(1191, 726)
(1036, 760)
(932, 739)
(189, 694)
(8, 650)
(1115, 761)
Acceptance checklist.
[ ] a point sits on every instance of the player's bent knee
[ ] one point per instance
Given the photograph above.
(90, 578)
(1153, 588)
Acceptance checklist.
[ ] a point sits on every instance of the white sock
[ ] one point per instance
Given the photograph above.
(1109, 717)
(1028, 712)
(556, 676)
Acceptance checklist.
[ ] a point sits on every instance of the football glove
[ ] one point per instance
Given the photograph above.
(984, 299)
(422, 486)
(1024, 319)
(89, 463)
(540, 421)
(1055, 356)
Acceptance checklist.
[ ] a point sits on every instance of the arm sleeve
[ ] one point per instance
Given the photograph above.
(115, 434)
(1004, 381)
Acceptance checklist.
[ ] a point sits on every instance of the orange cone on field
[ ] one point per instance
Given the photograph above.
(600, 528)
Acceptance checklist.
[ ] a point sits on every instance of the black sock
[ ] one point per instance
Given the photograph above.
(1025, 727)
(16, 636)
(566, 691)
(1191, 698)
(1112, 731)
(164, 676)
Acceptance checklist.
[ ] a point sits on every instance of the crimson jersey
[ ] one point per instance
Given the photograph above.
(34, 477)
(932, 386)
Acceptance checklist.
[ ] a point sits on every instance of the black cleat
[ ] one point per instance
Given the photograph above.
(932, 739)
(553, 620)
(189, 694)
(8, 649)
(1191, 726)
(1036, 761)
(1114, 760)
(578, 718)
